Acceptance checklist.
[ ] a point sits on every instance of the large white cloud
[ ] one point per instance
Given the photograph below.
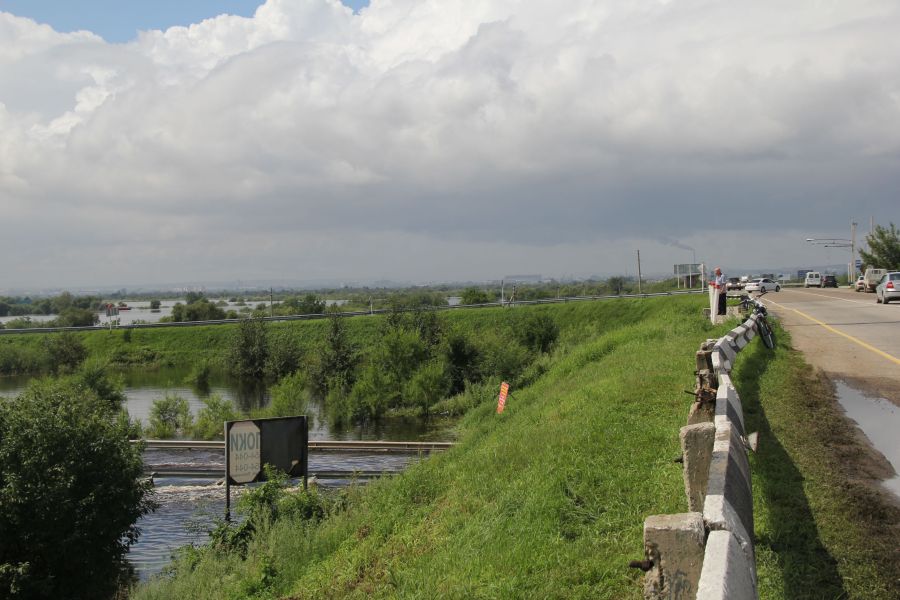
(538, 132)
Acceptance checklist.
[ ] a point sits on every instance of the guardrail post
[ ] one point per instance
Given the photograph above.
(697, 449)
(674, 545)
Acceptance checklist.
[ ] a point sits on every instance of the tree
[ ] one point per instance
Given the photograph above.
(337, 357)
(473, 295)
(76, 317)
(65, 351)
(71, 491)
(169, 416)
(884, 249)
(155, 304)
(249, 350)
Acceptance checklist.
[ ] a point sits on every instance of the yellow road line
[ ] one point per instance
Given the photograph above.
(858, 341)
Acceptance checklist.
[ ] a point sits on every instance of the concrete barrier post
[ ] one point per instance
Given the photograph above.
(697, 449)
(675, 546)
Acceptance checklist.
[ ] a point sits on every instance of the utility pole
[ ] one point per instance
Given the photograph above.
(852, 252)
(639, 272)
(271, 303)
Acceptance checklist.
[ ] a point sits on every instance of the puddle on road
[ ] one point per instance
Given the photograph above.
(879, 420)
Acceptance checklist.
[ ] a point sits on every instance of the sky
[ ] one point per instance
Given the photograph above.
(434, 140)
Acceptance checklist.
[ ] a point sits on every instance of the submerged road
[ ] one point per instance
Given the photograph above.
(846, 334)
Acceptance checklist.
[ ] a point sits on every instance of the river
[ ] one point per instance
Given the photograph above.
(189, 507)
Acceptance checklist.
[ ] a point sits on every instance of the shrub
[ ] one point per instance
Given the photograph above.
(65, 351)
(462, 358)
(108, 388)
(71, 490)
(289, 397)
(169, 416)
(249, 349)
(337, 357)
(211, 418)
(427, 386)
(473, 295)
(538, 332)
(284, 354)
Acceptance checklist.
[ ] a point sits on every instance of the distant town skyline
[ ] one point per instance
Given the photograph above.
(451, 141)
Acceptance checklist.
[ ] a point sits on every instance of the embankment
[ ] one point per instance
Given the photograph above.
(548, 499)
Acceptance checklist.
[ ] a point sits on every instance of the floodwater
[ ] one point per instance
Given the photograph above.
(879, 420)
(189, 507)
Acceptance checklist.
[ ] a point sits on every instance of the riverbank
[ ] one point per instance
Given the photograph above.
(548, 499)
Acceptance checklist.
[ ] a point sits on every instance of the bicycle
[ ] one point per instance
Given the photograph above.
(762, 322)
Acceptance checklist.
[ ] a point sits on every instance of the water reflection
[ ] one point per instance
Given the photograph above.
(879, 420)
(143, 387)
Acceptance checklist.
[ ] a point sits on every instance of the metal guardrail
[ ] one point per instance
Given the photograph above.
(358, 313)
(322, 445)
(220, 473)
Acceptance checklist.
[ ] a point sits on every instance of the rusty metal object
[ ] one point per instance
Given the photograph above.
(643, 565)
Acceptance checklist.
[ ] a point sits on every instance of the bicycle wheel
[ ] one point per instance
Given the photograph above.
(765, 332)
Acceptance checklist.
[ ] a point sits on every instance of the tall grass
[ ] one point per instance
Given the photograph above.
(546, 500)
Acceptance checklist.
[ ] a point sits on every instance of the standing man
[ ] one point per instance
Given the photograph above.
(720, 285)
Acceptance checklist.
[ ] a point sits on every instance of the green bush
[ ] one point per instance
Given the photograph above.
(289, 397)
(170, 416)
(537, 332)
(109, 388)
(337, 358)
(284, 354)
(474, 295)
(428, 385)
(210, 423)
(65, 351)
(462, 358)
(71, 490)
(248, 352)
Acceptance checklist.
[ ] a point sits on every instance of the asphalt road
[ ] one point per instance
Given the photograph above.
(846, 334)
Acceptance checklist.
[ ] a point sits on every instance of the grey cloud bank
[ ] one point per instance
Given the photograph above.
(459, 139)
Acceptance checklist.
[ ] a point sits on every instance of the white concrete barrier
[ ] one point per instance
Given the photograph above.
(717, 483)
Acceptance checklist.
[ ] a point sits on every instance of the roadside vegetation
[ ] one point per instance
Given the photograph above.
(547, 500)
(71, 489)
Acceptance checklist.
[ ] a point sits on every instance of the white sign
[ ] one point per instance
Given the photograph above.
(244, 457)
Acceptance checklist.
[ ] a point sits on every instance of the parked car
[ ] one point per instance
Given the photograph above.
(813, 279)
(860, 284)
(829, 281)
(762, 285)
(873, 276)
(889, 288)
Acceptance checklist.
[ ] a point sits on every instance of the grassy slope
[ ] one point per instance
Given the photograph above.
(548, 499)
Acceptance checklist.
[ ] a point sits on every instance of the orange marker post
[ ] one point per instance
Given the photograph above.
(501, 399)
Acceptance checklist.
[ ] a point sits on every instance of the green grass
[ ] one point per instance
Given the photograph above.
(548, 500)
(820, 531)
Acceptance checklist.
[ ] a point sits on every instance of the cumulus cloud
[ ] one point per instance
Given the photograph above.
(560, 136)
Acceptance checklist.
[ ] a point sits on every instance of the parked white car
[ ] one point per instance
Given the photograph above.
(813, 279)
(762, 285)
(861, 283)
